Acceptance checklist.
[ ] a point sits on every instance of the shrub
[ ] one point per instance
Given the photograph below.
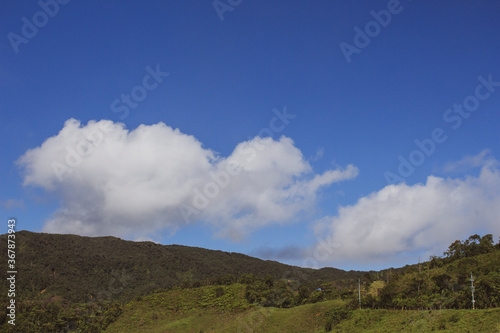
(335, 316)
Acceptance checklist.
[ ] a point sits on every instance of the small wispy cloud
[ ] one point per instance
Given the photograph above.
(470, 162)
(318, 155)
(13, 203)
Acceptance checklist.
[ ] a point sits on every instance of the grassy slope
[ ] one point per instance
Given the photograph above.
(198, 310)
(313, 317)
(422, 321)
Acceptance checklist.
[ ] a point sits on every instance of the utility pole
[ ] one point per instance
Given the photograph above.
(472, 289)
(359, 292)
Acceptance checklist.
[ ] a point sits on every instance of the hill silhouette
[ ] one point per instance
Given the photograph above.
(79, 268)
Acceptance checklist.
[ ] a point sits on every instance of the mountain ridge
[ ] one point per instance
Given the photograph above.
(81, 267)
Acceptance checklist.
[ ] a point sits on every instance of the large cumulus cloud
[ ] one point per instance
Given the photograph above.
(113, 181)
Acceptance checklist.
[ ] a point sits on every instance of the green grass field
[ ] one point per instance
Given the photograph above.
(224, 309)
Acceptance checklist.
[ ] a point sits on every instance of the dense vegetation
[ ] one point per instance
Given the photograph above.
(80, 269)
(226, 309)
(146, 286)
(444, 283)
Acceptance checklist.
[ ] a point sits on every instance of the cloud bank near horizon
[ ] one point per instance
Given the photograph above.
(402, 219)
(114, 181)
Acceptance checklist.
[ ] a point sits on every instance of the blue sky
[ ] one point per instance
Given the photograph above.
(227, 80)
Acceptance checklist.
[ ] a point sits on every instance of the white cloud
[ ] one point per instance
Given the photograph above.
(470, 162)
(319, 154)
(113, 181)
(401, 220)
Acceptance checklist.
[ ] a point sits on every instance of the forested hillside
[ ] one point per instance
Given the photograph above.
(445, 282)
(70, 283)
(82, 268)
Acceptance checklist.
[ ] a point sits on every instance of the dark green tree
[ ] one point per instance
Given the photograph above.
(455, 250)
